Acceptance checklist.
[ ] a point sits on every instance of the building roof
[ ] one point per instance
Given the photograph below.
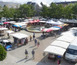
(66, 2)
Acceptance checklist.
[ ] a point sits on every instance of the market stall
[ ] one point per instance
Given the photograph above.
(55, 50)
(61, 44)
(66, 38)
(9, 32)
(2, 31)
(18, 26)
(20, 39)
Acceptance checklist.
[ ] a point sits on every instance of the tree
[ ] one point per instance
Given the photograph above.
(26, 10)
(1, 12)
(55, 10)
(44, 11)
(3, 53)
(67, 11)
(74, 9)
(8, 12)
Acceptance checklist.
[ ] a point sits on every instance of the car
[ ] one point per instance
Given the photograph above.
(71, 52)
(6, 44)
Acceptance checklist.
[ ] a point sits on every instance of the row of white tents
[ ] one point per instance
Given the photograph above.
(59, 46)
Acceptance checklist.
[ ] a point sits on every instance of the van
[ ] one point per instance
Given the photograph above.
(71, 52)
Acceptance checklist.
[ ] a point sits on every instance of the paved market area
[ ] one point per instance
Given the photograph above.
(17, 56)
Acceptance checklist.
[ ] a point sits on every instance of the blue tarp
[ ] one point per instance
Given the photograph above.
(9, 46)
(56, 27)
(17, 25)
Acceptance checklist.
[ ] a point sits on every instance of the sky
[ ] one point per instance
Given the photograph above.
(46, 2)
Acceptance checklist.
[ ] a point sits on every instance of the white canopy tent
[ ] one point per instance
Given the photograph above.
(66, 38)
(67, 33)
(61, 44)
(9, 31)
(54, 23)
(42, 21)
(12, 22)
(55, 50)
(3, 29)
(60, 23)
(51, 22)
(19, 35)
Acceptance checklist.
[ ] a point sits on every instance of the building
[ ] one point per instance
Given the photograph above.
(66, 3)
(37, 8)
(9, 4)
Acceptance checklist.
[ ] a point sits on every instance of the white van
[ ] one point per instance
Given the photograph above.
(71, 52)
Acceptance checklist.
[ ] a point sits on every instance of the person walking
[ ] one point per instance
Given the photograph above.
(35, 42)
(26, 40)
(33, 53)
(26, 53)
(33, 36)
(30, 38)
(38, 43)
(59, 62)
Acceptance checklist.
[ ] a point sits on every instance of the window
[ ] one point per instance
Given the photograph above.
(72, 51)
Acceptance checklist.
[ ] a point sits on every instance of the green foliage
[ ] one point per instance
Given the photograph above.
(45, 11)
(74, 9)
(26, 10)
(67, 11)
(3, 53)
(59, 11)
(53, 11)
(56, 10)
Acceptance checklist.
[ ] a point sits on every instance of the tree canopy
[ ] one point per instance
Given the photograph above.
(3, 53)
(53, 11)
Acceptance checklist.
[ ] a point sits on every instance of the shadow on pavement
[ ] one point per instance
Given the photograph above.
(32, 46)
(46, 61)
(28, 60)
(20, 60)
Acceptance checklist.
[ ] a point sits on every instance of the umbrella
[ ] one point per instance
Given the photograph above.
(44, 30)
(59, 26)
(49, 30)
(38, 20)
(6, 22)
(31, 21)
(35, 21)
(17, 25)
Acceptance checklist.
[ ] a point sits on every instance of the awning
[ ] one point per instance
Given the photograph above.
(61, 44)
(19, 35)
(55, 50)
(66, 38)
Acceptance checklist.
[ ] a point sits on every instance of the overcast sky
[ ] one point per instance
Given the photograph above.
(47, 2)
